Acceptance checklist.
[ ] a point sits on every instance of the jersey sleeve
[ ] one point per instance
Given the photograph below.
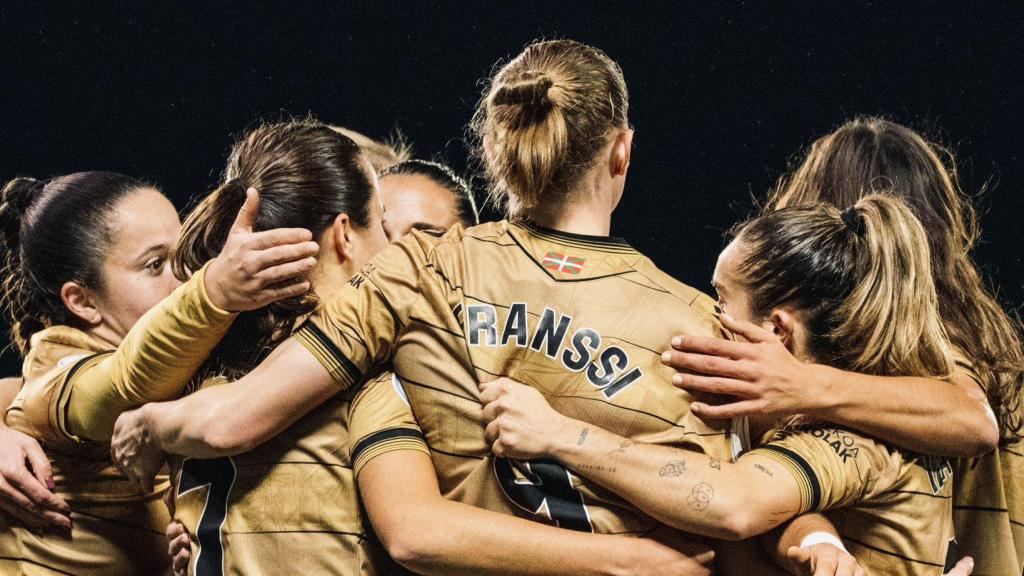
(154, 362)
(381, 421)
(834, 467)
(356, 329)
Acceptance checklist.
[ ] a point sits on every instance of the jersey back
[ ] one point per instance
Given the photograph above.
(582, 319)
(287, 507)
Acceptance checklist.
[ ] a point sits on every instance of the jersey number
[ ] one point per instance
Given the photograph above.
(544, 488)
(218, 475)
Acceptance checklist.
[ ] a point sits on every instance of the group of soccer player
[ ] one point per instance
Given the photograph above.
(332, 368)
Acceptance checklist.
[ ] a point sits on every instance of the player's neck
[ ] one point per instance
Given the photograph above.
(590, 215)
(106, 334)
(329, 276)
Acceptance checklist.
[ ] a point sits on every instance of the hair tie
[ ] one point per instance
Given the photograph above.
(530, 89)
(852, 219)
(237, 183)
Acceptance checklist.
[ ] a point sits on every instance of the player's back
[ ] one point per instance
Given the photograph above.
(582, 319)
(288, 506)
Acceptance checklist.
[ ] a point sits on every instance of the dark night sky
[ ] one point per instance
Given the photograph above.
(722, 96)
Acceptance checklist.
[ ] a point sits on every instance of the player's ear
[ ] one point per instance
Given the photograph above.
(784, 324)
(622, 147)
(81, 302)
(341, 230)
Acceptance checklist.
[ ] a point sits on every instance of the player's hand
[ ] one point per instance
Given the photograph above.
(761, 373)
(520, 422)
(963, 568)
(823, 560)
(178, 547)
(26, 484)
(257, 268)
(135, 451)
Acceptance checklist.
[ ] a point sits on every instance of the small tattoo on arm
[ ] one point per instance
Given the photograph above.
(623, 446)
(701, 496)
(596, 468)
(673, 469)
(763, 469)
(715, 463)
(583, 437)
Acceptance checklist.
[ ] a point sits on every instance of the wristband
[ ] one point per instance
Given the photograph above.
(822, 538)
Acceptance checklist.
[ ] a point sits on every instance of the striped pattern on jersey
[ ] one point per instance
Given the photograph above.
(988, 504)
(893, 509)
(117, 528)
(478, 303)
(289, 506)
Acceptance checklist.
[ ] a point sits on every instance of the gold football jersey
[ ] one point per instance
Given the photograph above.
(75, 388)
(287, 507)
(117, 530)
(381, 421)
(583, 319)
(988, 506)
(893, 510)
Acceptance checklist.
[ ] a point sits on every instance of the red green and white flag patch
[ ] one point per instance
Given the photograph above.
(563, 263)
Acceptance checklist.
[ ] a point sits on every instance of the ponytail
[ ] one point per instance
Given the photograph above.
(542, 121)
(534, 142)
(306, 175)
(869, 152)
(890, 320)
(206, 228)
(861, 280)
(15, 295)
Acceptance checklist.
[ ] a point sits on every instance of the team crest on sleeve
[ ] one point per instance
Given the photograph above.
(563, 263)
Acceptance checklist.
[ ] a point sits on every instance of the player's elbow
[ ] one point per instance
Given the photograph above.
(413, 556)
(415, 550)
(743, 519)
(982, 437)
(739, 525)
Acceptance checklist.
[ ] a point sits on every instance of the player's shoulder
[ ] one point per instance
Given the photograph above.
(814, 437)
(699, 303)
(56, 351)
(458, 235)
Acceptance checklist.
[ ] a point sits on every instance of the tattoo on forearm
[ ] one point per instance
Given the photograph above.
(583, 437)
(715, 463)
(673, 469)
(701, 496)
(595, 468)
(763, 469)
(623, 446)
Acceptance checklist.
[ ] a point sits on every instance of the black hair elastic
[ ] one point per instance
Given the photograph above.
(853, 221)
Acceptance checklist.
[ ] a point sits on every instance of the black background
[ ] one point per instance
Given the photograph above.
(723, 97)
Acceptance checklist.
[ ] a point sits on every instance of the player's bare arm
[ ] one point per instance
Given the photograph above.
(478, 541)
(223, 420)
(950, 418)
(810, 544)
(687, 490)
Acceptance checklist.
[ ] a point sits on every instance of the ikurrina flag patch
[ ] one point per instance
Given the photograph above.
(562, 263)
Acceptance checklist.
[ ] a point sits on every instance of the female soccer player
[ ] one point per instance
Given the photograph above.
(251, 512)
(86, 257)
(871, 154)
(548, 297)
(851, 290)
(427, 196)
